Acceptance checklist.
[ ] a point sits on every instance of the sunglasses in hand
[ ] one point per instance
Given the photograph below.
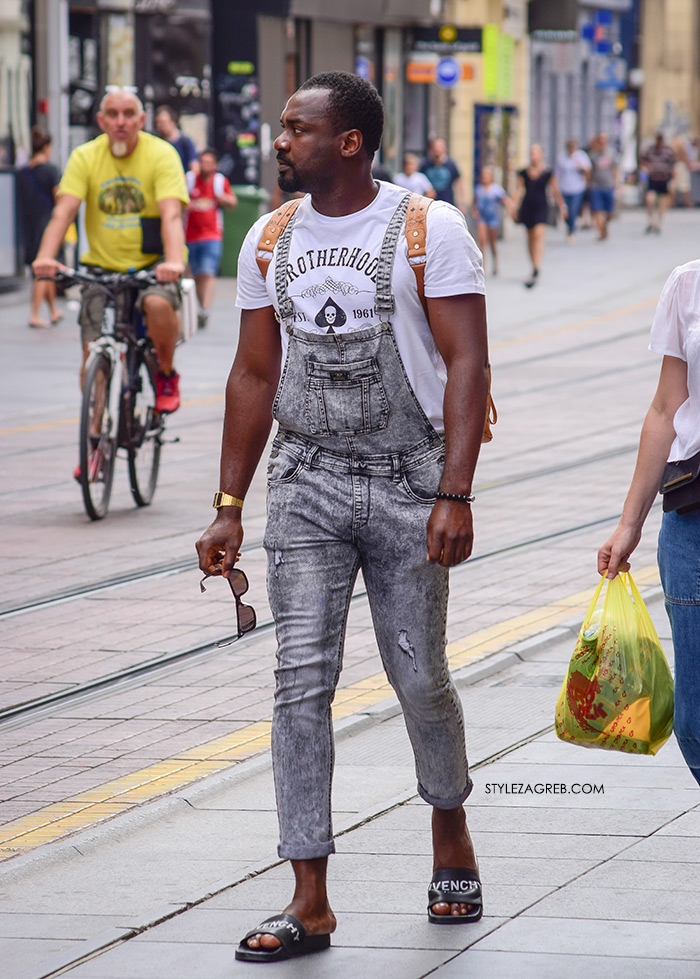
(245, 614)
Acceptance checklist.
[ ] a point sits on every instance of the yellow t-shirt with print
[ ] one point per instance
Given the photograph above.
(118, 192)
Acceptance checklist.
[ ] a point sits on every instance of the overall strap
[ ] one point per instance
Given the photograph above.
(383, 298)
(272, 231)
(285, 305)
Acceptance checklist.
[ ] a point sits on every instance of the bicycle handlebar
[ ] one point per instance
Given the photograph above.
(109, 280)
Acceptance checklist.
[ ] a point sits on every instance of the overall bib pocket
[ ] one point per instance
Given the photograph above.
(345, 399)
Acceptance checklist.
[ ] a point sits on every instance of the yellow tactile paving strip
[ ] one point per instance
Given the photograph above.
(172, 774)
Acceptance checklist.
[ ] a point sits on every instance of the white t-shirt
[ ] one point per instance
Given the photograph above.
(676, 332)
(332, 262)
(568, 171)
(416, 182)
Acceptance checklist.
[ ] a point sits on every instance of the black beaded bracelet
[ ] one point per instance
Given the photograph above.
(456, 497)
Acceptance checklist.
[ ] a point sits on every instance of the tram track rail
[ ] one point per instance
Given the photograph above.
(177, 566)
(26, 711)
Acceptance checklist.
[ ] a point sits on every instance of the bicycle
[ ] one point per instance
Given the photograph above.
(118, 407)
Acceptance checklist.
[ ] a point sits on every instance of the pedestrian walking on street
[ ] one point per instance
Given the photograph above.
(489, 200)
(604, 179)
(572, 170)
(381, 411)
(658, 162)
(412, 179)
(671, 434)
(37, 184)
(535, 183)
(686, 162)
(167, 128)
(443, 173)
(209, 192)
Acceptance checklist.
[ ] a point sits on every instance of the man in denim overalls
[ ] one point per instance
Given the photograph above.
(380, 417)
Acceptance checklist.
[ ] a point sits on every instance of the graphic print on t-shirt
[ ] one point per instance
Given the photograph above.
(121, 196)
(358, 310)
(330, 315)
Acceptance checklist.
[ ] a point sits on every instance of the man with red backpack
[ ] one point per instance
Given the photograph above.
(209, 192)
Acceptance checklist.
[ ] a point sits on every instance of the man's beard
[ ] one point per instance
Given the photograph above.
(119, 149)
(288, 181)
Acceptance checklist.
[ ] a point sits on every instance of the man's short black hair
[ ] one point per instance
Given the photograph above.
(354, 104)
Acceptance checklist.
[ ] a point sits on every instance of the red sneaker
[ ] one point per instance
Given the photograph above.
(76, 473)
(167, 392)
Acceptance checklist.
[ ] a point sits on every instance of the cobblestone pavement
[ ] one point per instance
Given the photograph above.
(572, 378)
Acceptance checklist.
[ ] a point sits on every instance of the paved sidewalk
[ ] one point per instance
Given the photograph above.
(172, 883)
(577, 882)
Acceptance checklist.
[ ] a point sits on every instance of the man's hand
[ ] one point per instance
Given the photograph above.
(218, 547)
(169, 271)
(46, 268)
(450, 533)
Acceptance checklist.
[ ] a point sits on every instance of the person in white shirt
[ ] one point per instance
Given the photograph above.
(572, 169)
(671, 435)
(381, 412)
(412, 179)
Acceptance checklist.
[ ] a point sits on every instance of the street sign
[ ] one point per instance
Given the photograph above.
(447, 73)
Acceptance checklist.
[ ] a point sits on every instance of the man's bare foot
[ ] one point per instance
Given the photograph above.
(309, 904)
(452, 848)
(316, 921)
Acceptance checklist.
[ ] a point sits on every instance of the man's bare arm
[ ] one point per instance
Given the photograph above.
(458, 324)
(62, 216)
(173, 235)
(250, 392)
(227, 200)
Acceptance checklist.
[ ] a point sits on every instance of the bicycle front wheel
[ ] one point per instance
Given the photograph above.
(98, 439)
(145, 428)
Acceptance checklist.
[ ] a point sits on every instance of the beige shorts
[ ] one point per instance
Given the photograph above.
(93, 304)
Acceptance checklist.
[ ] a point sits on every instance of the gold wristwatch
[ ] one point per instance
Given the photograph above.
(225, 499)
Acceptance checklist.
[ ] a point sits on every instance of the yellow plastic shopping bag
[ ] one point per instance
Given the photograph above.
(618, 690)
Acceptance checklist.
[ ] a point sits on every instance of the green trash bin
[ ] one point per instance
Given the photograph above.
(251, 204)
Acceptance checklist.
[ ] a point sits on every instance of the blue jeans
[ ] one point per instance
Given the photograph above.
(323, 525)
(679, 564)
(573, 205)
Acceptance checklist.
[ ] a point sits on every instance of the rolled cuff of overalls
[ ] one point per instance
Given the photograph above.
(452, 803)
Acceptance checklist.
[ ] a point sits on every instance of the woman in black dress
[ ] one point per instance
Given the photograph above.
(37, 184)
(533, 187)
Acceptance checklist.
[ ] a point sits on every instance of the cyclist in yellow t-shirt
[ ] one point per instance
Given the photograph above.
(133, 186)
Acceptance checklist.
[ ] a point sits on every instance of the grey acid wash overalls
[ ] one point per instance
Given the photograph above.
(353, 474)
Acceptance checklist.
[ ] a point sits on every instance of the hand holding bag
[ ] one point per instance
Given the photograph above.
(618, 690)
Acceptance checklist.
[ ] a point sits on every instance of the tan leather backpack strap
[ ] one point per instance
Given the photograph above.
(416, 236)
(273, 231)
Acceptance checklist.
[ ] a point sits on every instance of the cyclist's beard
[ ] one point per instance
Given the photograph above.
(119, 149)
